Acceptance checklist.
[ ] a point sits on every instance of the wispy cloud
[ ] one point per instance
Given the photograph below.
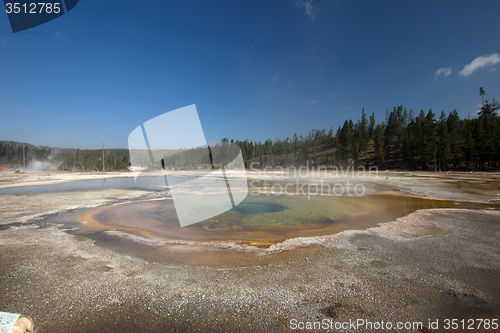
(60, 34)
(480, 62)
(275, 77)
(313, 101)
(444, 71)
(309, 9)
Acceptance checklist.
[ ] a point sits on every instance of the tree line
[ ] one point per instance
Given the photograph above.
(75, 160)
(12, 153)
(403, 141)
(91, 160)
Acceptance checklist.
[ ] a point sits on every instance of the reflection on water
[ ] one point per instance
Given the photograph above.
(146, 182)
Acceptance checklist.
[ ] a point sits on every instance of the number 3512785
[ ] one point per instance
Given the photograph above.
(33, 8)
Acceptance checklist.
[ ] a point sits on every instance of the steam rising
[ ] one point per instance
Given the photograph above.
(50, 164)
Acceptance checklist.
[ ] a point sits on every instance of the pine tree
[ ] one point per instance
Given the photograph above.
(393, 133)
(371, 126)
(455, 132)
(379, 144)
(345, 141)
(364, 137)
(429, 132)
(469, 147)
(443, 141)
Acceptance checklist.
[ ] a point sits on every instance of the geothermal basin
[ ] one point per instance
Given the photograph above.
(257, 226)
(416, 247)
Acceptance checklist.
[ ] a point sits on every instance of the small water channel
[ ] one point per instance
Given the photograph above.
(146, 182)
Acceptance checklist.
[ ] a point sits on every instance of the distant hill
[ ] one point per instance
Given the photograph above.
(44, 158)
(60, 150)
(53, 149)
(18, 144)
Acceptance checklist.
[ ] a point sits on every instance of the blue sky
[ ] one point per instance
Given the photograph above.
(255, 69)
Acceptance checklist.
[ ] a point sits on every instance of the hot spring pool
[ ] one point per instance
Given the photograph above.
(258, 220)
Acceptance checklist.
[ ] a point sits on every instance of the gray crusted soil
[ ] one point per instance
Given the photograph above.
(433, 264)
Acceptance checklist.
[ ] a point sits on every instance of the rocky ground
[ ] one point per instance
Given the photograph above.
(430, 265)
